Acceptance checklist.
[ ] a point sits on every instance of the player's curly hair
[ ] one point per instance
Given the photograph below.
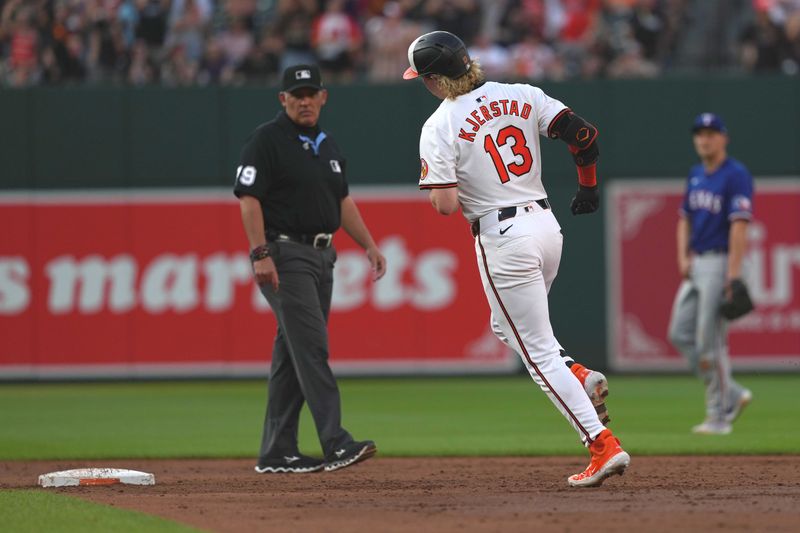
(455, 88)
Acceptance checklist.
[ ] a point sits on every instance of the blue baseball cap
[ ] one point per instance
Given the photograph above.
(709, 121)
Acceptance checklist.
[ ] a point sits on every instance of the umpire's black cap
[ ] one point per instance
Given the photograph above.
(299, 76)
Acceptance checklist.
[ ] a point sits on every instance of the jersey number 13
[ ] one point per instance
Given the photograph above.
(519, 148)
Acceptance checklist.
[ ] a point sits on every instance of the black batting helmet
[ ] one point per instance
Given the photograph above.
(437, 52)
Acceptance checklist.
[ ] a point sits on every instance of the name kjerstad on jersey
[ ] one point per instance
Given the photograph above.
(490, 111)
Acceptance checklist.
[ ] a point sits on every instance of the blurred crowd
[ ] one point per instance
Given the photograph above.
(234, 42)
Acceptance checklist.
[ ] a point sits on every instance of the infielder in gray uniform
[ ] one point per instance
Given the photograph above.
(711, 241)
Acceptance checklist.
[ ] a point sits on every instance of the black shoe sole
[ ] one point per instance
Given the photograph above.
(288, 469)
(602, 412)
(365, 453)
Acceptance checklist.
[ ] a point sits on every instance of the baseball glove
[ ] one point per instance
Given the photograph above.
(737, 302)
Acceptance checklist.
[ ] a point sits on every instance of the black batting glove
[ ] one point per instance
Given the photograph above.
(586, 200)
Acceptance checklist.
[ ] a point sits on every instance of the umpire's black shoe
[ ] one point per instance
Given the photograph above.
(350, 454)
(290, 464)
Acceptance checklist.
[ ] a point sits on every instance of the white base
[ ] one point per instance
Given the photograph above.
(95, 476)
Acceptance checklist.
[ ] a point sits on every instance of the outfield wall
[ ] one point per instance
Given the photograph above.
(155, 137)
(156, 283)
(642, 277)
(125, 141)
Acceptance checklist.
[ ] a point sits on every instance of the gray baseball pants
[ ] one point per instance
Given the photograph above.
(700, 333)
(300, 371)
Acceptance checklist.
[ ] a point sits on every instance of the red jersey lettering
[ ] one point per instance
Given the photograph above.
(477, 118)
(466, 136)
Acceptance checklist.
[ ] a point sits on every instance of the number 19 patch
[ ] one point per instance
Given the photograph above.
(246, 175)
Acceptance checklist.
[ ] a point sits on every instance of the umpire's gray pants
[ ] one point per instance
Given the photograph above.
(300, 371)
(700, 333)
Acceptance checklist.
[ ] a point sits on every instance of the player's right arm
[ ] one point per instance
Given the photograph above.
(438, 169)
(250, 188)
(445, 201)
(682, 240)
(683, 231)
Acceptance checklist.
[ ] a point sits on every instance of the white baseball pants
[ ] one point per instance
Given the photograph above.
(517, 268)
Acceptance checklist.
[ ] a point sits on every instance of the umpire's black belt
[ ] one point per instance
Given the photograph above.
(317, 240)
(504, 213)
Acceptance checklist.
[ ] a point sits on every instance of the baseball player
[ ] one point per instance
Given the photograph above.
(480, 151)
(711, 241)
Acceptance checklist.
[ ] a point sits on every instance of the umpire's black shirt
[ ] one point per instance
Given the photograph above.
(298, 175)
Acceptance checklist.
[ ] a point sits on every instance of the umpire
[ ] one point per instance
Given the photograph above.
(293, 196)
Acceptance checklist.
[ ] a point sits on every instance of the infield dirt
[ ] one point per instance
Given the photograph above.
(709, 493)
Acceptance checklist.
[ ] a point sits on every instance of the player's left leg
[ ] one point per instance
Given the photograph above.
(713, 361)
(734, 397)
(511, 267)
(738, 397)
(594, 383)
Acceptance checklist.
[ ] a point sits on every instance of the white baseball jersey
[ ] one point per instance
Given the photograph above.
(486, 143)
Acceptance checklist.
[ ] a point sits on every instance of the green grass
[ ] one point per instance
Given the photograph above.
(34, 511)
(406, 417)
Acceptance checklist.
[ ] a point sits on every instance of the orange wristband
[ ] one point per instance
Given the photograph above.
(587, 176)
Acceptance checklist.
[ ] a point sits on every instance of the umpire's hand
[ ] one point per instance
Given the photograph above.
(265, 272)
(377, 262)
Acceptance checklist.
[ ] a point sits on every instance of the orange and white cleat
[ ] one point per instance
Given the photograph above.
(608, 459)
(596, 386)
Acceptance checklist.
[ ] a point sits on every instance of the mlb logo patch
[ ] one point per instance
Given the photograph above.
(302, 75)
(335, 166)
